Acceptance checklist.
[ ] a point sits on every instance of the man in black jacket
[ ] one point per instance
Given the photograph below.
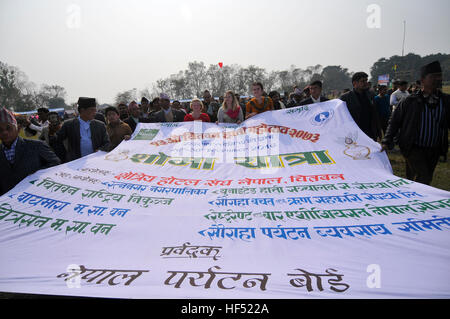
(315, 89)
(361, 106)
(167, 114)
(423, 120)
(135, 116)
(85, 134)
(20, 157)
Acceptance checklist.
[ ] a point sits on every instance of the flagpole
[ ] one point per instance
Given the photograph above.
(404, 32)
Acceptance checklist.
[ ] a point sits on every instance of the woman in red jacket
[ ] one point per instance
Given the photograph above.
(196, 114)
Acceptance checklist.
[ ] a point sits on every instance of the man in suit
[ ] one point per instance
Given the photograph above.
(315, 89)
(167, 114)
(20, 157)
(135, 116)
(361, 106)
(85, 134)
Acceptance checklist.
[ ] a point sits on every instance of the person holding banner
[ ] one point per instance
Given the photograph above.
(276, 99)
(116, 128)
(85, 134)
(423, 121)
(176, 105)
(196, 114)
(230, 111)
(20, 157)
(211, 107)
(167, 113)
(316, 94)
(361, 107)
(259, 103)
(135, 116)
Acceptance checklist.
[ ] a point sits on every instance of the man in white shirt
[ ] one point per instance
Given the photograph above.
(315, 89)
(398, 95)
(43, 122)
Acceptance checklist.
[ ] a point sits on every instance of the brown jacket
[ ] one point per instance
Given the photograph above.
(117, 132)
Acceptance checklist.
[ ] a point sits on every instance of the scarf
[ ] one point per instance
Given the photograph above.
(233, 114)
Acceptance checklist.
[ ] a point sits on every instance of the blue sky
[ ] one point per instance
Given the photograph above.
(100, 47)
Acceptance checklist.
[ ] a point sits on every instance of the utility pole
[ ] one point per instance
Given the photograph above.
(404, 32)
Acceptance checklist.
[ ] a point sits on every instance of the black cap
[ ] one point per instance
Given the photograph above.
(433, 67)
(86, 102)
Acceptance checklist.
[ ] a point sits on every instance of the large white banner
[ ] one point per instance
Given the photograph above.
(294, 203)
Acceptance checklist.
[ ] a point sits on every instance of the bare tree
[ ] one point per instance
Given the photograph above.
(196, 77)
(12, 83)
(126, 96)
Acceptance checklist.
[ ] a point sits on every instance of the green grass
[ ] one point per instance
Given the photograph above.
(446, 89)
(441, 177)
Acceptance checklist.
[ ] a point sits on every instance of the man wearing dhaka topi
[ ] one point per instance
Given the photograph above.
(20, 157)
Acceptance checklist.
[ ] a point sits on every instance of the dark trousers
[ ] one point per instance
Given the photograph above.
(420, 164)
(384, 123)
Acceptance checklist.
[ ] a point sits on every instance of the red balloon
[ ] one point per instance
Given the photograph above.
(220, 64)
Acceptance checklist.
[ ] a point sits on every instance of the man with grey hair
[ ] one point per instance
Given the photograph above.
(20, 157)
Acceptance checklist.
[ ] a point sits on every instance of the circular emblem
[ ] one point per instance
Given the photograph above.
(116, 157)
(321, 118)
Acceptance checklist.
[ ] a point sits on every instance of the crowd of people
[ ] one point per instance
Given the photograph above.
(415, 117)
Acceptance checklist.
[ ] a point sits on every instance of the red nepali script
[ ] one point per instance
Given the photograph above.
(132, 176)
(258, 129)
(316, 178)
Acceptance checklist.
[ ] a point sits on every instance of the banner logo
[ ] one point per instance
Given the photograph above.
(321, 118)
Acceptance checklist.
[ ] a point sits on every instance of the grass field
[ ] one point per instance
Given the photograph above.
(441, 177)
(446, 89)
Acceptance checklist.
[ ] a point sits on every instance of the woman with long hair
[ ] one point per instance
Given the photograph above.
(196, 114)
(230, 111)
